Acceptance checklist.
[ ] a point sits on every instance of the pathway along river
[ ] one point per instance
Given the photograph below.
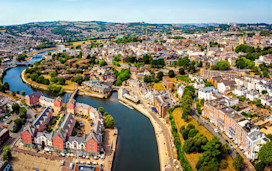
(137, 145)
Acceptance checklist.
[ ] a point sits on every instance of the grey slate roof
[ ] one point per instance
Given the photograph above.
(35, 94)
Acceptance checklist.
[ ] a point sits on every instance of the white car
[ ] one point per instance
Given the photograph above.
(62, 163)
(215, 130)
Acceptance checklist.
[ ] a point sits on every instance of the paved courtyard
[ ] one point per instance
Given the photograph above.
(25, 162)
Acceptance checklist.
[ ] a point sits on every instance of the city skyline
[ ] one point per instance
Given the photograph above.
(123, 11)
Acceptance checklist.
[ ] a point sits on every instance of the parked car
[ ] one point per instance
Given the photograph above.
(62, 163)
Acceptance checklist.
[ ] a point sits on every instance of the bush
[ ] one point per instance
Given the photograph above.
(223, 164)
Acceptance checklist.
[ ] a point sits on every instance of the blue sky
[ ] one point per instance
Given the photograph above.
(151, 11)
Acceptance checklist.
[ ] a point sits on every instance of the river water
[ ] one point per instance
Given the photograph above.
(137, 146)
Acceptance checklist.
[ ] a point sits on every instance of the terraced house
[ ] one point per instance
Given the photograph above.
(241, 130)
(61, 139)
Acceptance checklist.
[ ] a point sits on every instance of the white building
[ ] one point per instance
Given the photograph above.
(46, 102)
(225, 86)
(207, 93)
(43, 139)
(181, 89)
(199, 84)
(240, 91)
(253, 95)
(266, 100)
(256, 140)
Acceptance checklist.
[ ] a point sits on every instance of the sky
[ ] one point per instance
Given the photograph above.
(149, 11)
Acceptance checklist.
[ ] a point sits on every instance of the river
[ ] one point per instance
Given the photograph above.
(137, 145)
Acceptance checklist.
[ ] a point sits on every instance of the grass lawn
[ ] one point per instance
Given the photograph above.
(158, 86)
(193, 157)
(184, 78)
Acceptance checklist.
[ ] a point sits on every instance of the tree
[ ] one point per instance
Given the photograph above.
(240, 63)
(184, 61)
(61, 81)
(185, 133)
(265, 153)
(269, 136)
(7, 153)
(109, 122)
(221, 65)
(23, 93)
(208, 84)
(6, 86)
(34, 76)
(264, 92)
(181, 71)
(238, 162)
(102, 63)
(260, 166)
(212, 154)
(101, 110)
(265, 74)
(22, 112)
(15, 107)
(192, 133)
(171, 73)
(146, 59)
(160, 75)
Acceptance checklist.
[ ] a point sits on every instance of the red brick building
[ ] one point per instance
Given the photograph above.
(58, 104)
(33, 99)
(28, 134)
(70, 106)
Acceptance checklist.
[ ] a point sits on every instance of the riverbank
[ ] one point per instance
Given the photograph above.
(163, 152)
(67, 88)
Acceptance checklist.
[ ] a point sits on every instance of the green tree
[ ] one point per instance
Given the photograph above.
(102, 63)
(265, 153)
(6, 86)
(146, 59)
(260, 166)
(7, 153)
(101, 110)
(181, 71)
(61, 81)
(208, 84)
(264, 91)
(221, 65)
(171, 73)
(23, 93)
(22, 112)
(15, 107)
(109, 122)
(238, 163)
(160, 75)
(184, 61)
(192, 133)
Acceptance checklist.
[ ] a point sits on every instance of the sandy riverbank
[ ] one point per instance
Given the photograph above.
(162, 149)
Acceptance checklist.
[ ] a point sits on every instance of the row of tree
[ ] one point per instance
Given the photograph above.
(186, 102)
